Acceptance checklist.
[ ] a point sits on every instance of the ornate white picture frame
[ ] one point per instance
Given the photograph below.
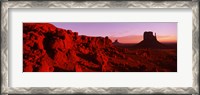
(6, 5)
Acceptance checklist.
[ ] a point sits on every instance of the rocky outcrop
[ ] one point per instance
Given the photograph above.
(47, 49)
(116, 42)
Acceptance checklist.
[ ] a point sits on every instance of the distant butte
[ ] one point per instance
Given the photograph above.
(116, 42)
(150, 41)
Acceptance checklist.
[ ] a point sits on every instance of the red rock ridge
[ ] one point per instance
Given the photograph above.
(47, 49)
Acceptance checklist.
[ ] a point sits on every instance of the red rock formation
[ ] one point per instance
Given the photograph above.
(47, 48)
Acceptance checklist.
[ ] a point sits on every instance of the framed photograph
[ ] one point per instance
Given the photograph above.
(100, 47)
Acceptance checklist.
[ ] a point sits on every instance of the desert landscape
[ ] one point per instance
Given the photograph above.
(47, 48)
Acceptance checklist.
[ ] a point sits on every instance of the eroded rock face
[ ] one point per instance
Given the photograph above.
(47, 49)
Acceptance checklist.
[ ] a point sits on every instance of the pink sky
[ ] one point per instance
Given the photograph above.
(125, 32)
